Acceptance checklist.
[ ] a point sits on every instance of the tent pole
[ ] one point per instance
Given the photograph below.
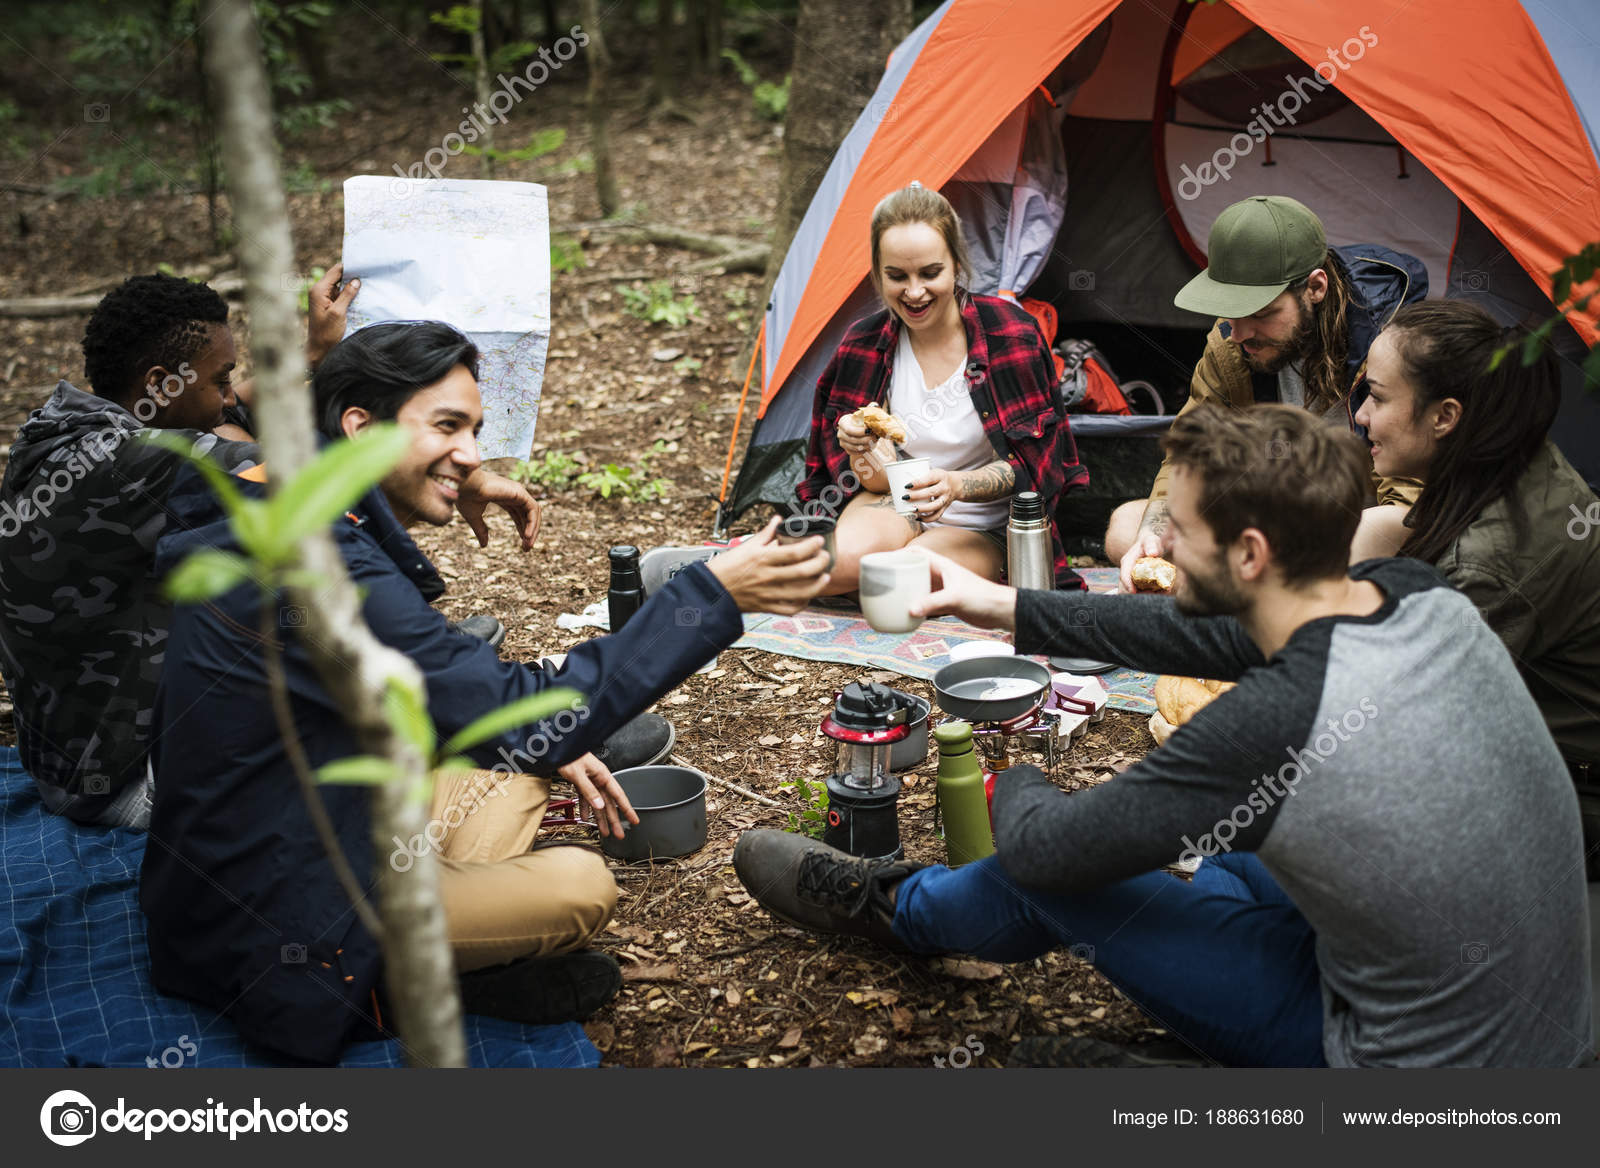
(720, 530)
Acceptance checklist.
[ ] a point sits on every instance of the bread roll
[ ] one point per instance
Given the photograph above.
(1181, 698)
(1153, 574)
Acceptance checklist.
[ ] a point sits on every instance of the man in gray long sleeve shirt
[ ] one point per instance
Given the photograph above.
(1393, 871)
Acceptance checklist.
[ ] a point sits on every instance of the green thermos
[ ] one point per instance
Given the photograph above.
(963, 805)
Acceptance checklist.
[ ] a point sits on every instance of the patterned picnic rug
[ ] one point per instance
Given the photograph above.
(844, 637)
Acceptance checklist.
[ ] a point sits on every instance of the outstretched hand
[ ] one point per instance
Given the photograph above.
(483, 487)
(594, 782)
(962, 593)
(763, 575)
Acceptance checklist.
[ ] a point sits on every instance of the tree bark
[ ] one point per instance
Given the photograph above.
(714, 62)
(355, 667)
(480, 60)
(840, 50)
(599, 59)
(662, 77)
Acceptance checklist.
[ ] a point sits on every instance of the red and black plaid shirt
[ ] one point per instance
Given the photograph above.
(1011, 378)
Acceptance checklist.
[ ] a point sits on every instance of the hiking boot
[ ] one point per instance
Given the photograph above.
(542, 991)
(818, 887)
(658, 565)
(484, 627)
(646, 740)
(1068, 1050)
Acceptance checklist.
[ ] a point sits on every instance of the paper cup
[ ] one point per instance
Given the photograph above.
(890, 582)
(902, 475)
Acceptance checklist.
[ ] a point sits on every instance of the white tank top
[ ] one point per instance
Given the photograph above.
(942, 427)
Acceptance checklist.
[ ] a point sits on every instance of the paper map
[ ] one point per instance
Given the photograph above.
(473, 254)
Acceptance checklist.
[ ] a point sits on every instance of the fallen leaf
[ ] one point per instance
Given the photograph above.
(969, 969)
(790, 1039)
(636, 933)
(870, 1043)
(602, 1034)
(770, 740)
(787, 691)
(664, 971)
(733, 997)
(901, 1018)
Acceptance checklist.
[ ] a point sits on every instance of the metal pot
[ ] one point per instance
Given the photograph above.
(671, 802)
(912, 750)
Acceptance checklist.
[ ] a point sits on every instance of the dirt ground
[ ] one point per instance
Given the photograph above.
(712, 980)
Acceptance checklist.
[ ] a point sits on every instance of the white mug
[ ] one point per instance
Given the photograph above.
(890, 583)
(902, 475)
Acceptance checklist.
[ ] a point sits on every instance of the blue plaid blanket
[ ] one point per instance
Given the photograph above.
(75, 976)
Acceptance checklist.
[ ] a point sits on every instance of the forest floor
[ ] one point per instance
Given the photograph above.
(712, 980)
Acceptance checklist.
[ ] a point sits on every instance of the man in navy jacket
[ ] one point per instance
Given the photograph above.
(244, 911)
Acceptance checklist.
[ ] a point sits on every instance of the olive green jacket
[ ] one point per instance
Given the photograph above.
(1222, 377)
(1537, 585)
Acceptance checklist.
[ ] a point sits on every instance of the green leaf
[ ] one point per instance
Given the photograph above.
(1561, 285)
(362, 768)
(408, 715)
(204, 574)
(1591, 369)
(220, 481)
(456, 762)
(1500, 355)
(327, 488)
(521, 712)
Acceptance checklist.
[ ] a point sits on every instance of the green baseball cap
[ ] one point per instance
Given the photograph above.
(1257, 249)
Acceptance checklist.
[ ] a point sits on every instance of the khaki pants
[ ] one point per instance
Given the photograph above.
(501, 901)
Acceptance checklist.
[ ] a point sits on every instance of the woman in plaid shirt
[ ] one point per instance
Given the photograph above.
(974, 383)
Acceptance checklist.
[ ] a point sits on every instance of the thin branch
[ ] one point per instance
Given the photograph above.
(278, 687)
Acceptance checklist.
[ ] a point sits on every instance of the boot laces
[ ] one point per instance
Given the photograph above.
(846, 885)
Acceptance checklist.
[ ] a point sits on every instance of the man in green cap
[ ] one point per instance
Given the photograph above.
(1294, 320)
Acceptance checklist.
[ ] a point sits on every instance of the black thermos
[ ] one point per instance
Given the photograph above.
(627, 590)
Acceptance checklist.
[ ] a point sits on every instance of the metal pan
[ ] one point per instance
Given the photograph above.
(959, 687)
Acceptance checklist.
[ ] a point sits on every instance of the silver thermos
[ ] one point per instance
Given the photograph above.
(1029, 563)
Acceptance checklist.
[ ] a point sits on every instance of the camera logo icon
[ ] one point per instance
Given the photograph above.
(1080, 280)
(687, 617)
(67, 1118)
(1475, 281)
(1474, 953)
(97, 111)
(291, 616)
(293, 953)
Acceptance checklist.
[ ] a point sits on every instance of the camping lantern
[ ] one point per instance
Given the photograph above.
(867, 720)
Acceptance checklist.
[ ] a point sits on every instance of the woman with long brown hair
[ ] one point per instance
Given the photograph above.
(1502, 515)
(973, 383)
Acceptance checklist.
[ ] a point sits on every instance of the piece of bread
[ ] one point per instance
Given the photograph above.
(1153, 574)
(1180, 698)
(881, 422)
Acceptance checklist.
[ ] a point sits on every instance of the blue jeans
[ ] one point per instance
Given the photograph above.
(1225, 962)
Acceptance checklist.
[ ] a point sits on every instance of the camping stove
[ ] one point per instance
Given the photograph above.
(863, 815)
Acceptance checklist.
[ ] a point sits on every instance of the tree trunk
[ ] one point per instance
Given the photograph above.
(355, 667)
(694, 36)
(599, 128)
(713, 37)
(552, 23)
(663, 78)
(480, 59)
(840, 47)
